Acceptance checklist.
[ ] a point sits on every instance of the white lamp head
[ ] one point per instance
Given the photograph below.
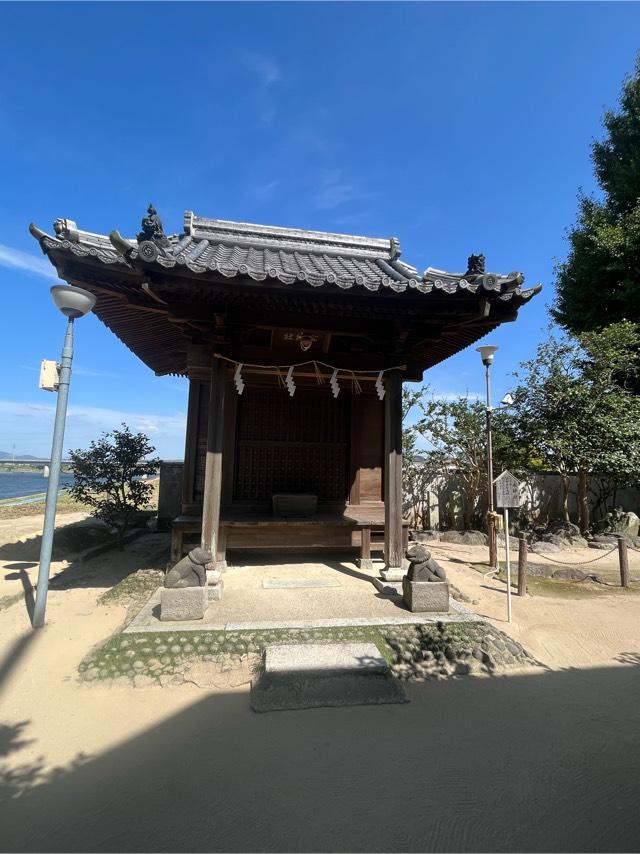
(486, 353)
(73, 302)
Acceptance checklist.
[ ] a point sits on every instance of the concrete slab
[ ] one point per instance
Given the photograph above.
(299, 676)
(324, 658)
(294, 583)
(148, 619)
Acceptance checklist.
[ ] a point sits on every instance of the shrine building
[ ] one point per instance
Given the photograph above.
(295, 344)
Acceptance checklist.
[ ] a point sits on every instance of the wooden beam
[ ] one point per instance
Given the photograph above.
(213, 465)
(393, 551)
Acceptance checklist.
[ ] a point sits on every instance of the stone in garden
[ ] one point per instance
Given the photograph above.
(569, 574)
(183, 603)
(425, 536)
(544, 547)
(191, 571)
(618, 521)
(464, 538)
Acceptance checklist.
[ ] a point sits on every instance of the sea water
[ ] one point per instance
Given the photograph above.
(16, 484)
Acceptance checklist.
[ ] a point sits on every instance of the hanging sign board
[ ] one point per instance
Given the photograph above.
(507, 490)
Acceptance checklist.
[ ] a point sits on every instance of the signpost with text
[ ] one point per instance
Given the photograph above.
(507, 495)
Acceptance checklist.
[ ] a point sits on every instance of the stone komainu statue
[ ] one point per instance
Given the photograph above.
(191, 571)
(422, 567)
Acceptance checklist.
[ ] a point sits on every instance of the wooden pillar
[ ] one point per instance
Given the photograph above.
(213, 465)
(393, 551)
(189, 468)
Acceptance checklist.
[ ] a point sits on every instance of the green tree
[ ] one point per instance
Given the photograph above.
(575, 409)
(107, 477)
(418, 469)
(599, 283)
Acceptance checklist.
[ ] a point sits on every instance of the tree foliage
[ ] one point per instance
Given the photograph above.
(107, 477)
(599, 283)
(575, 409)
(453, 435)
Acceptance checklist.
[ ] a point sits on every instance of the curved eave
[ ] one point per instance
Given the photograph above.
(264, 265)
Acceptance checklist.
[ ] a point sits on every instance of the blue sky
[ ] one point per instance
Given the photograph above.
(457, 127)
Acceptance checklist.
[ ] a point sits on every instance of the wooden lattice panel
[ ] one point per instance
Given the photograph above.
(286, 444)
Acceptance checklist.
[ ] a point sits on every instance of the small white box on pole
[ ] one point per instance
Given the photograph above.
(49, 375)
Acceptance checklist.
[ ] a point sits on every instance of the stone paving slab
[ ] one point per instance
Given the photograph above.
(147, 620)
(375, 689)
(325, 658)
(292, 583)
(308, 676)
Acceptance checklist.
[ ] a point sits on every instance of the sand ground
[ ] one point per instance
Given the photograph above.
(542, 761)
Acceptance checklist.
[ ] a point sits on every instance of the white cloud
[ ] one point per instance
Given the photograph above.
(334, 192)
(30, 425)
(15, 259)
(263, 192)
(266, 69)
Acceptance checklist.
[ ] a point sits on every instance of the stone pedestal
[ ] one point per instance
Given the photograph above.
(392, 573)
(214, 591)
(426, 596)
(183, 603)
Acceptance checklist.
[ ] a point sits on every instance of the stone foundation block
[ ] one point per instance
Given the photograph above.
(183, 603)
(426, 596)
(214, 591)
(393, 573)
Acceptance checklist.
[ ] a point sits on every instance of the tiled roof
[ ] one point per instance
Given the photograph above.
(280, 254)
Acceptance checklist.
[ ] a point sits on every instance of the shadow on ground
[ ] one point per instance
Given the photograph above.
(544, 762)
(149, 551)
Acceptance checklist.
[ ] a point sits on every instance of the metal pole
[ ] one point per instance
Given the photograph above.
(54, 478)
(493, 557)
(506, 549)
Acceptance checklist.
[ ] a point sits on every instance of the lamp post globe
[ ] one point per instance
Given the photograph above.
(486, 353)
(73, 303)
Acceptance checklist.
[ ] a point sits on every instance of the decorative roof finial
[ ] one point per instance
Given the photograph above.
(475, 265)
(152, 228)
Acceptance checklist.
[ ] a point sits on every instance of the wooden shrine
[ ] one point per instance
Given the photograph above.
(296, 344)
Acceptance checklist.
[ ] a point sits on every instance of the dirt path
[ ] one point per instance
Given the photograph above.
(568, 630)
(546, 761)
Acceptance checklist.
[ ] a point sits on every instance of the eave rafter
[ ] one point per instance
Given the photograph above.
(160, 293)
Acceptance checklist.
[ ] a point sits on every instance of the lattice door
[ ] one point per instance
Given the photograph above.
(286, 444)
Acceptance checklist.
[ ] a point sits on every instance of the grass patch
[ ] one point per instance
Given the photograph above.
(66, 504)
(164, 653)
(135, 589)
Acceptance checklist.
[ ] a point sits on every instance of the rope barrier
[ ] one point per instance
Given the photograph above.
(575, 562)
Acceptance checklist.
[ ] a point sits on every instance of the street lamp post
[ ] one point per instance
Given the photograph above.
(486, 354)
(73, 303)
